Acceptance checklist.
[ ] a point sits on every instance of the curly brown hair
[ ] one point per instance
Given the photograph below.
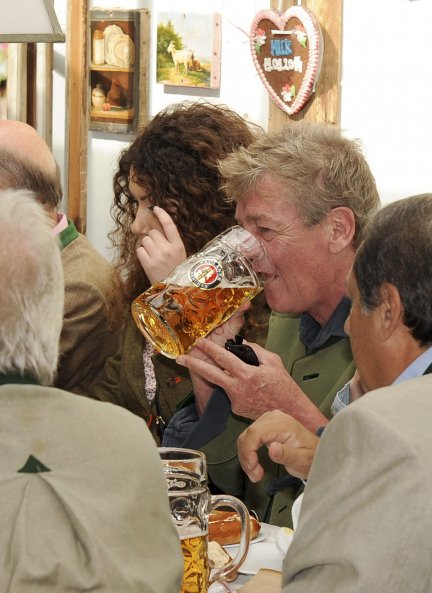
(175, 159)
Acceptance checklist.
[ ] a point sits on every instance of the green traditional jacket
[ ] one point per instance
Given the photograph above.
(87, 338)
(123, 381)
(320, 375)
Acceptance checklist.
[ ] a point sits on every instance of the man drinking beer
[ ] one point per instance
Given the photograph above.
(305, 192)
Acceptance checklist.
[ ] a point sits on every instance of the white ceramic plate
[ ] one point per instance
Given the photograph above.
(283, 539)
(265, 553)
(108, 33)
(121, 51)
(262, 555)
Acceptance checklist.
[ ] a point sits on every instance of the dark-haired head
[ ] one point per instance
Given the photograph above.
(396, 248)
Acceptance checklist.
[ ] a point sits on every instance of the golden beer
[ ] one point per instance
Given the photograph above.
(173, 317)
(202, 292)
(196, 565)
(191, 504)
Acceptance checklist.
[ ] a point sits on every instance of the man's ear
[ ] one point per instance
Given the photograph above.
(390, 311)
(341, 225)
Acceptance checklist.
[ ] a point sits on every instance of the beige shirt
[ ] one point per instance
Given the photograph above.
(83, 498)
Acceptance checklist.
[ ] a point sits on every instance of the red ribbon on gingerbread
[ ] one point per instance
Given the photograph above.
(287, 51)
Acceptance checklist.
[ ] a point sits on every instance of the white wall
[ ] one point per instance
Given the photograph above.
(386, 92)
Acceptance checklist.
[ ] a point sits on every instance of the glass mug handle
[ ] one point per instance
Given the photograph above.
(236, 504)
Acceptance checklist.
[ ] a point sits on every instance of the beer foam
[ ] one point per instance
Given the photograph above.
(192, 531)
(224, 284)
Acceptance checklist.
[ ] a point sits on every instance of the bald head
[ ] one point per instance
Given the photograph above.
(26, 162)
(21, 140)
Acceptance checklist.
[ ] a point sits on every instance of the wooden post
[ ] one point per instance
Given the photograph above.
(324, 105)
(144, 49)
(31, 84)
(77, 113)
(44, 91)
(29, 94)
(17, 82)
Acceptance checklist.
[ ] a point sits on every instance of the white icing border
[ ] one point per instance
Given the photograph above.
(315, 43)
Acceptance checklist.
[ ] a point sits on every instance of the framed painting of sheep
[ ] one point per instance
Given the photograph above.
(188, 49)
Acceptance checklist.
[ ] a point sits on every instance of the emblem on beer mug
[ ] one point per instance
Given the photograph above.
(207, 274)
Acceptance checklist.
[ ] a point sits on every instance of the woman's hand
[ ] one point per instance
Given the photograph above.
(161, 250)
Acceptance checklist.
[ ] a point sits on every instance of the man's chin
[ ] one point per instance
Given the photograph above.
(278, 300)
(274, 300)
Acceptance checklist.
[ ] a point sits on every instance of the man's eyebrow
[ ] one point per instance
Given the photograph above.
(262, 218)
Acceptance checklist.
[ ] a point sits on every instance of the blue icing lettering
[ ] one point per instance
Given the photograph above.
(281, 47)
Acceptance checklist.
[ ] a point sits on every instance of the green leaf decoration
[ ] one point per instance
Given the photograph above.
(293, 91)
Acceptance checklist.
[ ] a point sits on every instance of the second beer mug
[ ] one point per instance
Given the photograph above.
(202, 292)
(191, 504)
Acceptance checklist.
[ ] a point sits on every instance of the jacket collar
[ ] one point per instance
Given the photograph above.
(68, 235)
(315, 337)
(23, 379)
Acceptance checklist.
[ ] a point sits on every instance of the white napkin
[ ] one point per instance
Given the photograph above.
(295, 511)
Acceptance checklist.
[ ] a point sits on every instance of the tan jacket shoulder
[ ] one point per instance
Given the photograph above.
(87, 338)
(366, 517)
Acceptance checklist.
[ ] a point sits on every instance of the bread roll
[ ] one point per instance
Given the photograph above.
(217, 556)
(225, 527)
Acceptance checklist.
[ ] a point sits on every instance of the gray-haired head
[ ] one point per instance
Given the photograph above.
(32, 291)
(313, 165)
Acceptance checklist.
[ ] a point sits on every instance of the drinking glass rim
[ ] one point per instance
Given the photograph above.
(195, 452)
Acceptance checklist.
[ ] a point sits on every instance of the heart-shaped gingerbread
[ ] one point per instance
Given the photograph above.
(287, 51)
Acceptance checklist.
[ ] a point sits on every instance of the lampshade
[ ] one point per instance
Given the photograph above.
(29, 21)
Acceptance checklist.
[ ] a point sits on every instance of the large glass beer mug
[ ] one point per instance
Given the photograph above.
(191, 503)
(176, 459)
(202, 292)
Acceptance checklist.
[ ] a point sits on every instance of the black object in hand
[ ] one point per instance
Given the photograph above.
(242, 351)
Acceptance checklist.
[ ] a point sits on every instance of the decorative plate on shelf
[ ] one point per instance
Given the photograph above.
(108, 33)
(120, 51)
